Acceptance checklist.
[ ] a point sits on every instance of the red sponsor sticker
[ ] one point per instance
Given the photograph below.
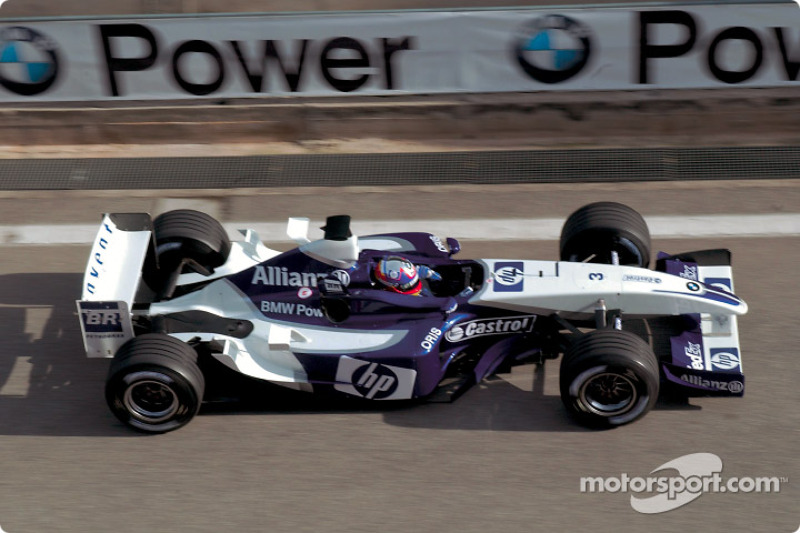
(304, 292)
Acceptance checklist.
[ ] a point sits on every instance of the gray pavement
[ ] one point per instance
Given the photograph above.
(455, 201)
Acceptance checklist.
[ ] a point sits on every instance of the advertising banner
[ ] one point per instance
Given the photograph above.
(675, 47)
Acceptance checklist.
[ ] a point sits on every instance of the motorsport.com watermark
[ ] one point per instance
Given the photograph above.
(698, 473)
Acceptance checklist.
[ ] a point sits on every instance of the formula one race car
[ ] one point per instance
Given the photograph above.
(162, 296)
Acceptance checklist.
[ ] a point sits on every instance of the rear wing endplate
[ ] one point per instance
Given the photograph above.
(105, 327)
(118, 254)
(111, 281)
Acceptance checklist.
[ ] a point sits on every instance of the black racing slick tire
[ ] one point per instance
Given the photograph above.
(594, 231)
(188, 234)
(609, 378)
(154, 384)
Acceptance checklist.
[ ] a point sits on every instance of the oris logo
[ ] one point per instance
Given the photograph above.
(431, 339)
(439, 244)
(553, 48)
(29, 61)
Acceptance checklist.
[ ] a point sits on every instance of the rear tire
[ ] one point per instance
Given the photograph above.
(594, 231)
(181, 235)
(154, 384)
(608, 378)
(187, 234)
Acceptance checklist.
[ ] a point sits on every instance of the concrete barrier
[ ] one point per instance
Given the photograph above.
(530, 120)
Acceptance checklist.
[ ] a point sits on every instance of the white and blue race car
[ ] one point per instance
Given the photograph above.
(162, 297)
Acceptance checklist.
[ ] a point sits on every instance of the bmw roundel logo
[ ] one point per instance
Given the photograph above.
(692, 286)
(29, 61)
(553, 48)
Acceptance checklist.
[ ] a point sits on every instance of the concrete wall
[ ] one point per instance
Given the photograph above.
(529, 120)
(645, 118)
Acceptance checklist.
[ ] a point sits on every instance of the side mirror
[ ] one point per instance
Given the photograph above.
(297, 230)
(453, 245)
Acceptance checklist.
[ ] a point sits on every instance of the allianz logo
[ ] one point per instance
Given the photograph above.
(282, 277)
(730, 386)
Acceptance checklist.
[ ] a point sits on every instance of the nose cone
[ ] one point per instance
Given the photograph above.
(729, 300)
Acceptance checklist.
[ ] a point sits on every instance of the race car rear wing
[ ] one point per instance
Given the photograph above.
(111, 281)
(115, 263)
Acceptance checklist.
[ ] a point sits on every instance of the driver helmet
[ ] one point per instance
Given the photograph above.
(398, 274)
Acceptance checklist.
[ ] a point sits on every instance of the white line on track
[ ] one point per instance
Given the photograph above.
(511, 229)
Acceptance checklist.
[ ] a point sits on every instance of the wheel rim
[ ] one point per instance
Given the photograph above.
(629, 253)
(150, 398)
(608, 394)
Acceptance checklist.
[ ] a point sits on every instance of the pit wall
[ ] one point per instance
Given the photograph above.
(401, 53)
(612, 73)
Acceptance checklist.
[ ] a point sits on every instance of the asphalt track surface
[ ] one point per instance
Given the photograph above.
(502, 458)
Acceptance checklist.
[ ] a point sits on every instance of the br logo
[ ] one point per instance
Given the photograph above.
(101, 317)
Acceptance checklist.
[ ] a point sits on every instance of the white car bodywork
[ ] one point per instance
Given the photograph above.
(571, 290)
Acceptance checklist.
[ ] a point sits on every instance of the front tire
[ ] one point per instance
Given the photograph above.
(594, 231)
(609, 378)
(154, 384)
